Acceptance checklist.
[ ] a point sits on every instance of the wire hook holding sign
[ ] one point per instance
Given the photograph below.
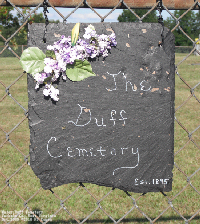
(45, 10)
(160, 20)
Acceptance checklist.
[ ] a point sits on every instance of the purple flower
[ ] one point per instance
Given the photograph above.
(92, 46)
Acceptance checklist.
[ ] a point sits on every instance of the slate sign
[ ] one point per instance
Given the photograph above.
(115, 129)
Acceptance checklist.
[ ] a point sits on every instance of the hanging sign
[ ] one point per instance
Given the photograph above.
(101, 105)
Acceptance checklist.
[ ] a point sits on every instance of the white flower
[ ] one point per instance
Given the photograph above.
(112, 35)
(54, 93)
(62, 64)
(64, 76)
(36, 76)
(63, 40)
(51, 91)
(49, 65)
(87, 36)
(105, 53)
(48, 61)
(46, 92)
(89, 32)
(80, 48)
(89, 28)
(49, 47)
(103, 37)
(73, 56)
(102, 44)
(48, 69)
(37, 86)
(58, 56)
(39, 77)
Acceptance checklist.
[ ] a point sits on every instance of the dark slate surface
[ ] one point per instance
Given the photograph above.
(132, 94)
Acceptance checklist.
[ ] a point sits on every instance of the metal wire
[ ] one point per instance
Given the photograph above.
(136, 207)
(160, 20)
(45, 11)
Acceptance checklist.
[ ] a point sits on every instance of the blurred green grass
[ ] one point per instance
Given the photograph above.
(81, 204)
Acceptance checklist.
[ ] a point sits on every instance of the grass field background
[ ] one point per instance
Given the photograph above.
(24, 187)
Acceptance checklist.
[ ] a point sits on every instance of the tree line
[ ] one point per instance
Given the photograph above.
(9, 23)
(190, 23)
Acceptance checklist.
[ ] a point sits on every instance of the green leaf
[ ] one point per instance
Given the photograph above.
(79, 70)
(50, 54)
(47, 79)
(75, 33)
(32, 60)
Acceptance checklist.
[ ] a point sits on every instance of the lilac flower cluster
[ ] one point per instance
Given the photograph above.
(92, 46)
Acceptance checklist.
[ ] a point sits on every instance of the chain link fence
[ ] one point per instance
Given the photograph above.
(23, 200)
(18, 50)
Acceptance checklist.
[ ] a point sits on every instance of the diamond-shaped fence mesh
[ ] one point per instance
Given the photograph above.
(23, 200)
